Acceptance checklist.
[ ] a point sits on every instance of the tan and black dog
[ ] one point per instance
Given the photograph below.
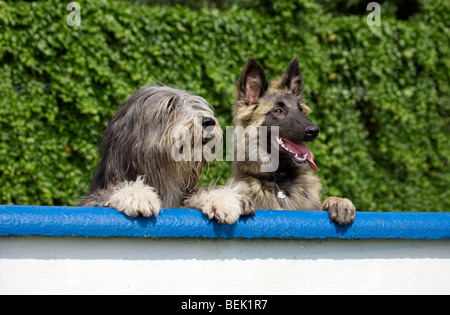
(281, 104)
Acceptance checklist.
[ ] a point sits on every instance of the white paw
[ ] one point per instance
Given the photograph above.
(135, 198)
(224, 204)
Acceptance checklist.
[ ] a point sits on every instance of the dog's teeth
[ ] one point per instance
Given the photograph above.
(305, 155)
(279, 140)
(299, 159)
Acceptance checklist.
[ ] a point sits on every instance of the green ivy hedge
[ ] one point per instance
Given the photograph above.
(380, 94)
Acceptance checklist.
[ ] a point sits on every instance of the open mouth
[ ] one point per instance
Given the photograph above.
(298, 152)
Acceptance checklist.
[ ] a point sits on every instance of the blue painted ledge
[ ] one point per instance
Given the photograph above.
(105, 222)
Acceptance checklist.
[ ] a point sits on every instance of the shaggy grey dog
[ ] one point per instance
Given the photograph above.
(149, 158)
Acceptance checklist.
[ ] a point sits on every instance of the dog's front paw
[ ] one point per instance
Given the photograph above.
(224, 204)
(340, 210)
(247, 206)
(135, 199)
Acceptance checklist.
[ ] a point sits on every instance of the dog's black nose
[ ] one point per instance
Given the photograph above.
(208, 121)
(312, 132)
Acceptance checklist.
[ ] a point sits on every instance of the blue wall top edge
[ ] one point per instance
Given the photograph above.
(174, 223)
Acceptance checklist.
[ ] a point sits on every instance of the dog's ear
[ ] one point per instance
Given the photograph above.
(252, 84)
(292, 79)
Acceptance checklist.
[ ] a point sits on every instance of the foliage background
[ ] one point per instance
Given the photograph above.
(380, 94)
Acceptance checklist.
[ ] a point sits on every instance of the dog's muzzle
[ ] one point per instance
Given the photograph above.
(311, 133)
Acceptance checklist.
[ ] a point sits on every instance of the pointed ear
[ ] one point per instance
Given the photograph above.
(252, 84)
(292, 79)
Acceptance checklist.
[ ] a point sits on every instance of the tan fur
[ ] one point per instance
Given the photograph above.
(303, 192)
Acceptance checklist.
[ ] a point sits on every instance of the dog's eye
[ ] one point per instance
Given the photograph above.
(279, 111)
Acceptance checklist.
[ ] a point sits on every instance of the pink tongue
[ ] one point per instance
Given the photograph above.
(301, 150)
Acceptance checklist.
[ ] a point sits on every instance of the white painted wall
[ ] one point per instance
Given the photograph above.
(57, 265)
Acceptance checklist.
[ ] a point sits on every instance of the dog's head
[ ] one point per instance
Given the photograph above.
(188, 135)
(279, 104)
(160, 133)
(193, 128)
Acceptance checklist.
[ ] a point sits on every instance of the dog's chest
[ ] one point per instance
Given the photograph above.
(287, 196)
